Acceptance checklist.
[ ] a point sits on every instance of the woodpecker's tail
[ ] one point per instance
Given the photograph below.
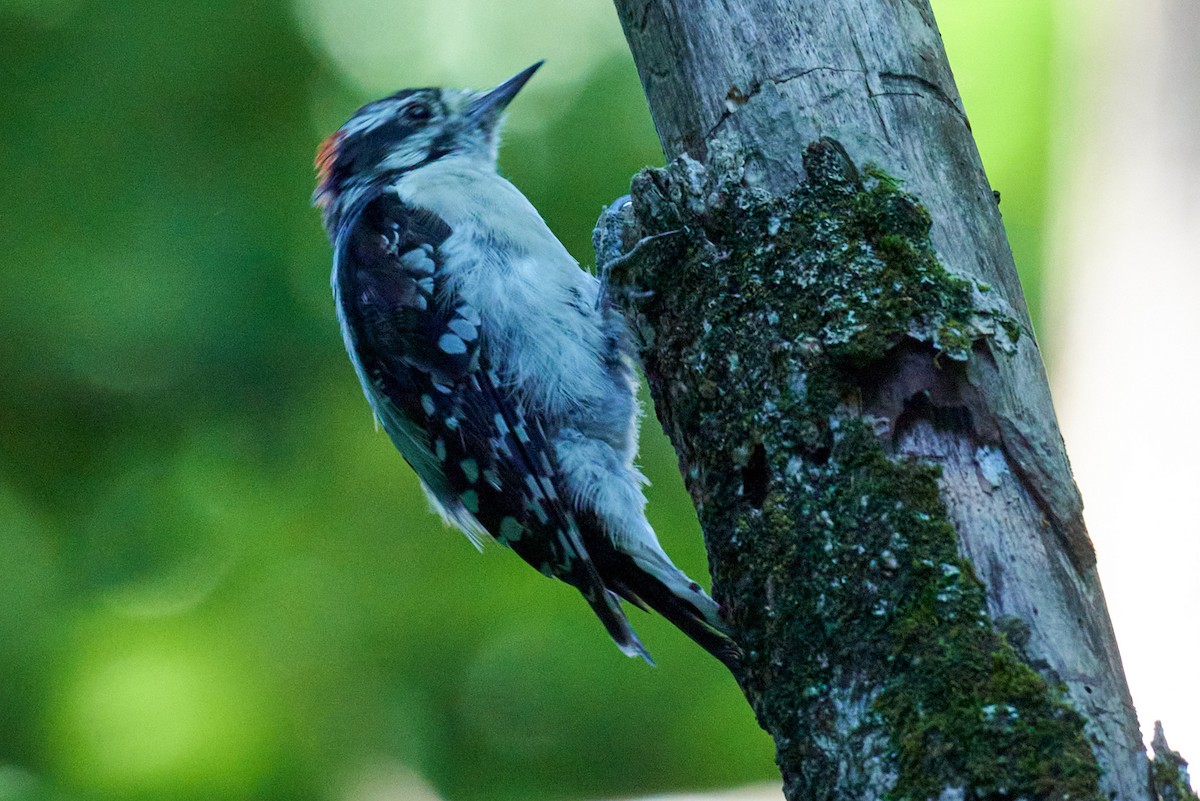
(607, 607)
(652, 582)
(643, 588)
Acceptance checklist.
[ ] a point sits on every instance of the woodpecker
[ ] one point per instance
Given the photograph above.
(496, 365)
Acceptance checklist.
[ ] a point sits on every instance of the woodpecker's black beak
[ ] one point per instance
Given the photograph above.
(486, 107)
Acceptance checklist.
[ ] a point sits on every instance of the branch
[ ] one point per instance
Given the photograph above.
(847, 373)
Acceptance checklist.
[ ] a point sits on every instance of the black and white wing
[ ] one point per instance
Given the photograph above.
(420, 353)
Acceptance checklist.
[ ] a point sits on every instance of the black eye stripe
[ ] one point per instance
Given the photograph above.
(385, 124)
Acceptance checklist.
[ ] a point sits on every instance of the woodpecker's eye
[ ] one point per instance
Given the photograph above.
(418, 112)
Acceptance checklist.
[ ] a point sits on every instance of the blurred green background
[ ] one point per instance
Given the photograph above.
(217, 581)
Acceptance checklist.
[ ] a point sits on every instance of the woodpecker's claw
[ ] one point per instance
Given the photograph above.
(622, 261)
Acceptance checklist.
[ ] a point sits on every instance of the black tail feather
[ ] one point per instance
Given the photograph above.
(650, 591)
(608, 609)
(622, 575)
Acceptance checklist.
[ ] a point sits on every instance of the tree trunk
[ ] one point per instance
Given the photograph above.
(837, 344)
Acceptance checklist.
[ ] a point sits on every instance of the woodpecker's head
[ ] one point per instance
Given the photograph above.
(408, 130)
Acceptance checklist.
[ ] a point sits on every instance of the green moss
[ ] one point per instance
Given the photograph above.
(865, 632)
(1168, 771)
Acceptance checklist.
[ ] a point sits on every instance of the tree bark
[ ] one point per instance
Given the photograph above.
(837, 344)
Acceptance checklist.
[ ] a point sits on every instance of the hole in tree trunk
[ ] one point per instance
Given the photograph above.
(756, 477)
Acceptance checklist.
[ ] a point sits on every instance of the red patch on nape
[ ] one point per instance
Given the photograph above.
(326, 156)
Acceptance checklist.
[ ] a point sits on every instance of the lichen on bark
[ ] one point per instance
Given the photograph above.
(1168, 771)
(765, 321)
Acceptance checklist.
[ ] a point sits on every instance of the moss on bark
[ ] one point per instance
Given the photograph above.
(1168, 772)
(870, 655)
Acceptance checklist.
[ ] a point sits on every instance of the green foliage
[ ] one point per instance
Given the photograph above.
(1003, 53)
(219, 583)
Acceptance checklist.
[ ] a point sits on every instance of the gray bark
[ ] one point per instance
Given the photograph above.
(764, 79)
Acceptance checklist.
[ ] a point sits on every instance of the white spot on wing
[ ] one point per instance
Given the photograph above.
(452, 344)
(469, 314)
(418, 261)
(470, 469)
(464, 329)
(511, 529)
